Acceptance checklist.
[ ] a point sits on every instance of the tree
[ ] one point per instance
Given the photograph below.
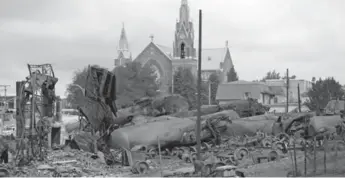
(214, 80)
(133, 82)
(75, 94)
(313, 79)
(322, 92)
(275, 75)
(185, 84)
(232, 75)
(271, 75)
(291, 77)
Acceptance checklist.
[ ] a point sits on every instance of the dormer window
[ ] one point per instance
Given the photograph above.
(183, 53)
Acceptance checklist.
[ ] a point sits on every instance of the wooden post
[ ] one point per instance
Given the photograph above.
(287, 91)
(299, 99)
(314, 163)
(305, 146)
(172, 81)
(160, 156)
(209, 93)
(19, 120)
(198, 122)
(324, 153)
(295, 157)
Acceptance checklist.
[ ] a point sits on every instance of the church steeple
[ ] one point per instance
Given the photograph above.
(123, 43)
(184, 35)
(123, 53)
(184, 13)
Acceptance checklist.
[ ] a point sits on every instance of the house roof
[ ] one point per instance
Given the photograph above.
(237, 89)
(335, 106)
(277, 90)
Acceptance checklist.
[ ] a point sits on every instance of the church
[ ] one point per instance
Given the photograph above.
(183, 53)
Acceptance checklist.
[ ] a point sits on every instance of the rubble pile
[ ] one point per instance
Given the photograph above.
(66, 163)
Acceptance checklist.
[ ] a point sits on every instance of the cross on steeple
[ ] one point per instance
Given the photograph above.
(151, 36)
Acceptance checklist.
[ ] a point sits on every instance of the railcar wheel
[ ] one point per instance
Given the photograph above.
(152, 152)
(282, 137)
(192, 149)
(140, 167)
(174, 151)
(266, 143)
(241, 153)
(4, 172)
(205, 146)
(280, 146)
(273, 156)
(208, 169)
(193, 156)
(230, 161)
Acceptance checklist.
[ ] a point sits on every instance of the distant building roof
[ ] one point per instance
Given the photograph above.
(277, 90)
(7, 98)
(237, 89)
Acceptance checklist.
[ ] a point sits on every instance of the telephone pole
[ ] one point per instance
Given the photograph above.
(287, 90)
(198, 121)
(299, 98)
(5, 88)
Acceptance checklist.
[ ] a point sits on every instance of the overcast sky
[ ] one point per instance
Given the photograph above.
(306, 36)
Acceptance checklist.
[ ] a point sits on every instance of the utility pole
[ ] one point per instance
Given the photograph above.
(172, 82)
(209, 93)
(5, 88)
(287, 91)
(198, 121)
(299, 98)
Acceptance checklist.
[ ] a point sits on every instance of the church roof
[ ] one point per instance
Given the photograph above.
(166, 50)
(125, 54)
(211, 57)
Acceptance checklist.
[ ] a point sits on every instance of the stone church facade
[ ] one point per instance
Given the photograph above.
(166, 60)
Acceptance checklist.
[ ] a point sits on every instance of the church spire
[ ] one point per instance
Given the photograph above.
(184, 13)
(123, 43)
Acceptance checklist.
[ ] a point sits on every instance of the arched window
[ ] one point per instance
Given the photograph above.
(183, 54)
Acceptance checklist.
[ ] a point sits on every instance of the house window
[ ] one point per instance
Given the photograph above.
(275, 100)
(183, 53)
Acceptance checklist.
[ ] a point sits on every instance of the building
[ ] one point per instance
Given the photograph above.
(123, 53)
(65, 104)
(293, 107)
(166, 60)
(8, 102)
(241, 90)
(304, 86)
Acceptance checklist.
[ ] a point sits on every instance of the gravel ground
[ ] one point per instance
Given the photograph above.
(282, 167)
